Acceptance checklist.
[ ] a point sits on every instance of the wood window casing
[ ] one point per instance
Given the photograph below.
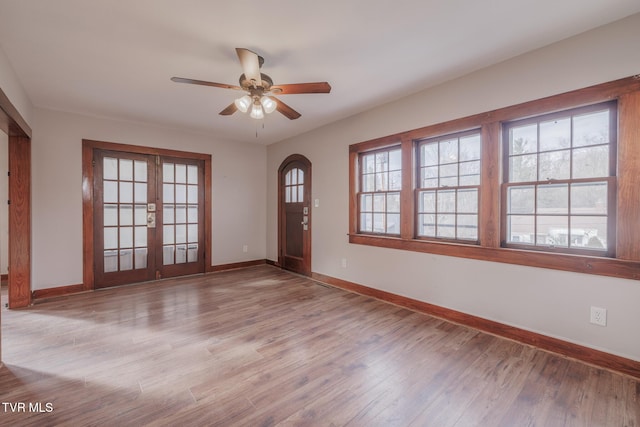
(626, 261)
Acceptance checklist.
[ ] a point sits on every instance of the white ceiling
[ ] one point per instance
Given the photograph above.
(114, 58)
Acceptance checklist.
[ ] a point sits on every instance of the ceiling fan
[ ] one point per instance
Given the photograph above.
(259, 89)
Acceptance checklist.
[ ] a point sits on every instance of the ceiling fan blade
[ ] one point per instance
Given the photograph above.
(317, 87)
(250, 62)
(287, 111)
(204, 83)
(229, 110)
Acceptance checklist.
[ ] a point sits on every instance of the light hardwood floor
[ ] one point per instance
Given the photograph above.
(262, 347)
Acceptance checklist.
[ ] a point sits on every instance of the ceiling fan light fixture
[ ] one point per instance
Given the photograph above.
(268, 104)
(243, 103)
(256, 86)
(256, 111)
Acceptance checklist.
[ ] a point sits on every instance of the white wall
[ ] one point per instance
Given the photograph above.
(550, 302)
(10, 85)
(238, 196)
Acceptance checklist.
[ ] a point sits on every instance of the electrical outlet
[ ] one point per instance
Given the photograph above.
(344, 263)
(245, 248)
(599, 316)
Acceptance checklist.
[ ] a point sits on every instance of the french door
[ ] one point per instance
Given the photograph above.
(148, 215)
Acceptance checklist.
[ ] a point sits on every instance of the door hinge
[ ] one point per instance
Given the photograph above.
(8, 202)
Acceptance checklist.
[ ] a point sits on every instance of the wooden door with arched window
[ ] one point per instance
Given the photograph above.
(294, 214)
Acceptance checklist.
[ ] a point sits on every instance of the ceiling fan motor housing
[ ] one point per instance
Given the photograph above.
(265, 83)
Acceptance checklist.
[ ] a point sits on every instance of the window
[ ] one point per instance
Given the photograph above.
(560, 180)
(379, 197)
(294, 186)
(448, 185)
(550, 183)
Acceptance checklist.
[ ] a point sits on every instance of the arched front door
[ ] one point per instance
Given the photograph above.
(294, 214)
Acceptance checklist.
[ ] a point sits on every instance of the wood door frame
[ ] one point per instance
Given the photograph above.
(88, 146)
(19, 242)
(306, 249)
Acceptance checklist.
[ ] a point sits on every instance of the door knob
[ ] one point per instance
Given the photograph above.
(151, 219)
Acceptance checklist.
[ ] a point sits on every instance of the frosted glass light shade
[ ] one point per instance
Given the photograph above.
(256, 111)
(268, 104)
(243, 103)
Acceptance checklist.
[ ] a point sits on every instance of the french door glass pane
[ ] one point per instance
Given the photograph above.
(168, 216)
(140, 234)
(192, 214)
(126, 170)
(126, 237)
(167, 255)
(192, 194)
(168, 235)
(167, 172)
(181, 173)
(140, 192)
(126, 259)
(181, 214)
(110, 168)
(110, 215)
(141, 258)
(110, 261)
(110, 192)
(181, 193)
(181, 254)
(126, 192)
(192, 233)
(140, 170)
(181, 233)
(110, 238)
(192, 174)
(192, 252)
(126, 215)
(140, 215)
(167, 193)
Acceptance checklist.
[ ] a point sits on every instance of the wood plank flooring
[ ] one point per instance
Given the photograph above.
(263, 347)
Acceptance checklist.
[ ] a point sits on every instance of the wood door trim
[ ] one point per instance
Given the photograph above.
(19, 288)
(88, 146)
(19, 148)
(281, 215)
